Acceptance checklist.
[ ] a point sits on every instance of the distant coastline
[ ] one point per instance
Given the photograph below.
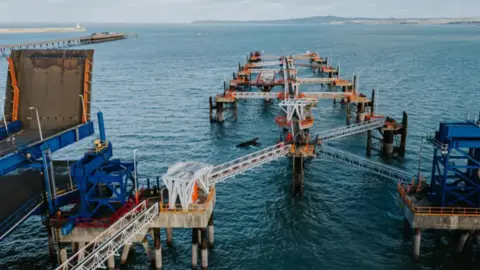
(343, 20)
(78, 28)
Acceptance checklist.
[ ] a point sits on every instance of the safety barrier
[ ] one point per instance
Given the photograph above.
(434, 210)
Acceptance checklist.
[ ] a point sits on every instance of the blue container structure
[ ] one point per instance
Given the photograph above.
(456, 162)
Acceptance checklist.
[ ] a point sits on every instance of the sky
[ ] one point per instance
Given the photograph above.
(184, 11)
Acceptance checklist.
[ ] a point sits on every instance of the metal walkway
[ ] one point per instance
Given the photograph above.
(316, 80)
(266, 64)
(341, 132)
(240, 165)
(111, 240)
(377, 168)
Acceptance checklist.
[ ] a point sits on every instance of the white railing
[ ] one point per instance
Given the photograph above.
(239, 165)
(325, 95)
(350, 130)
(266, 64)
(316, 80)
(368, 165)
(111, 240)
(256, 95)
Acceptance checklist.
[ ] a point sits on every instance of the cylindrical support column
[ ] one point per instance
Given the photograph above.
(194, 248)
(416, 244)
(210, 231)
(158, 248)
(81, 254)
(111, 262)
(74, 247)
(125, 251)
(63, 255)
(462, 239)
(204, 249)
(220, 117)
(297, 175)
(146, 246)
(388, 138)
(407, 230)
(360, 112)
(169, 236)
(477, 238)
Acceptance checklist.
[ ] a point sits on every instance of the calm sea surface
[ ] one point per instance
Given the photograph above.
(154, 93)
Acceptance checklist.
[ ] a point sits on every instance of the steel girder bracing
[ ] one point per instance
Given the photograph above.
(256, 95)
(455, 178)
(240, 165)
(368, 165)
(266, 64)
(181, 180)
(341, 132)
(108, 243)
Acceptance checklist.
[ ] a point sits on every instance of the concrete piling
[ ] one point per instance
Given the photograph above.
(204, 249)
(111, 262)
(407, 230)
(194, 248)
(210, 232)
(158, 248)
(146, 247)
(416, 244)
(169, 236)
(360, 112)
(63, 255)
(81, 254)
(124, 257)
(297, 175)
(388, 138)
(462, 239)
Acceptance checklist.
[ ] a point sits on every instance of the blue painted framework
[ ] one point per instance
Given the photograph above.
(27, 155)
(12, 127)
(456, 163)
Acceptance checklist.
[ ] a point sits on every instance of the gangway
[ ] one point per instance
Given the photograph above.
(93, 255)
(183, 177)
(265, 64)
(341, 132)
(240, 165)
(368, 165)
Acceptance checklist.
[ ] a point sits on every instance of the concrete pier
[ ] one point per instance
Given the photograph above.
(388, 138)
(81, 255)
(158, 248)
(111, 262)
(146, 247)
(204, 249)
(169, 236)
(462, 239)
(210, 232)
(297, 175)
(194, 248)
(360, 112)
(417, 237)
(63, 255)
(124, 256)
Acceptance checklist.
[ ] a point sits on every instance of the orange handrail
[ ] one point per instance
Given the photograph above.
(86, 83)
(435, 210)
(16, 90)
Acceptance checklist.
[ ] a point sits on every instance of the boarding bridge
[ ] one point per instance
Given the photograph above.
(341, 132)
(368, 165)
(94, 254)
(316, 80)
(266, 64)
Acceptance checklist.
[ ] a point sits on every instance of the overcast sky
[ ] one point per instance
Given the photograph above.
(179, 11)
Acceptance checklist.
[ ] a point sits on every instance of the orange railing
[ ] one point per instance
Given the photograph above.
(434, 210)
(199, 208)
(86, 90)
(16, 90)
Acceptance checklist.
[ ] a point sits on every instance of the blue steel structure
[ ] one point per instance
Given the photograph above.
(103, 183)
(11, 128)
(456, 162)
(37, 156)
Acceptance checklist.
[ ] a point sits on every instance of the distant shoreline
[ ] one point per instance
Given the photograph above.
(341, 20)
(41, 30)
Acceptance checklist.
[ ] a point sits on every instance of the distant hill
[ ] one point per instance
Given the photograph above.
(359, 20)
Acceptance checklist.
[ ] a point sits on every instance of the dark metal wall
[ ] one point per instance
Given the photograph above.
(51, 81)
